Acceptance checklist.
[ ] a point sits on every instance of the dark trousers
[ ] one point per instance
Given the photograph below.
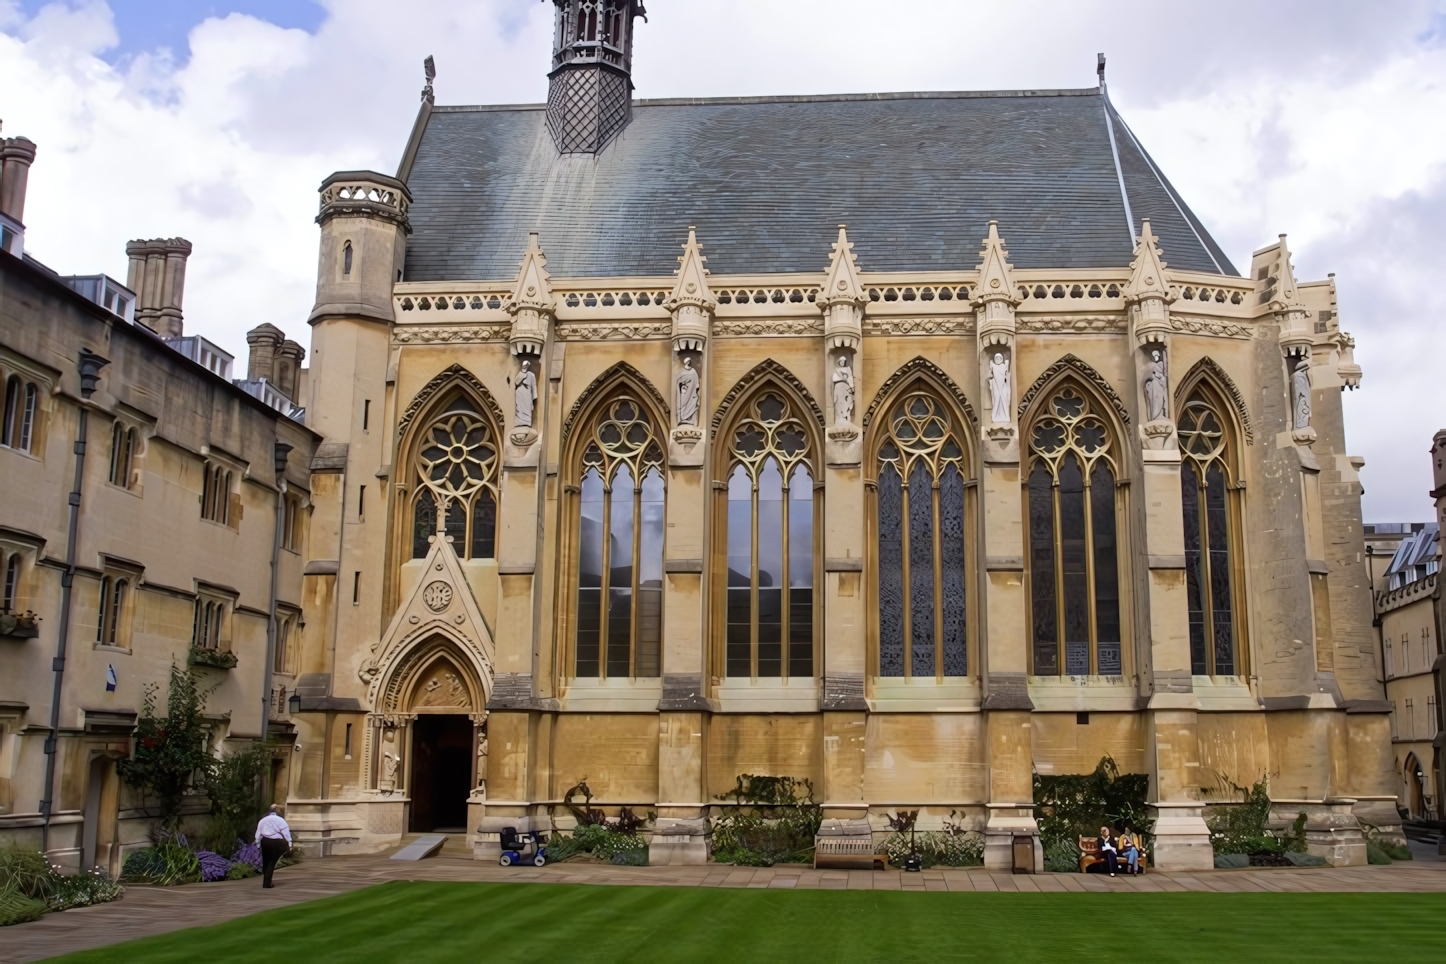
(1112, 862)
(272, 850)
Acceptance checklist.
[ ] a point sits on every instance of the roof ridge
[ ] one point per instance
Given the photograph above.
(803, 98)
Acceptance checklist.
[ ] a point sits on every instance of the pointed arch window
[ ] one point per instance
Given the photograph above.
(1074, 577)
(1208, 503)
(770, 545)
(923, 542)
(621, 523)
(456, 469)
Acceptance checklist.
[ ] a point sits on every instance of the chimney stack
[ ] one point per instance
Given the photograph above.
(158, 277)
(264, 340)
(16, 156)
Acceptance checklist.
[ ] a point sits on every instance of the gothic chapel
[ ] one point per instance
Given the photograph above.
(910, 444)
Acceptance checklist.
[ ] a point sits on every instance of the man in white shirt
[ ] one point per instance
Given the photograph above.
(273, 836)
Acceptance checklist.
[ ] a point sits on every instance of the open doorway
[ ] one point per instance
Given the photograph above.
(1415, 787)
(99, 833)
(441, 772)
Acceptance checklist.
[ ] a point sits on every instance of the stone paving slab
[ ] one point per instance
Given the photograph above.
(145, 911)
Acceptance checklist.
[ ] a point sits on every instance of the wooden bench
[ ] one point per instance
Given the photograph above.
(1089, 848)
(847, 853)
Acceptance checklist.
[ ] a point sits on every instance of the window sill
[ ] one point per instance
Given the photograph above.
(1084, 694)
(894, 694)
(622, 695)
(1224, 693)
(111, 648)
(739, 695)
(132, 492)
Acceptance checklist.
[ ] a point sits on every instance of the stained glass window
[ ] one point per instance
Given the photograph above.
(1074, 580)
(621, 523)
(1205, 498)
(457, 475)
(922, 543)
(769, 592)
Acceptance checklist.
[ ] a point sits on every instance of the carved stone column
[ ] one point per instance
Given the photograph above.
(680, 832)
(842, 300)
(1003, 646)
(1182, 841)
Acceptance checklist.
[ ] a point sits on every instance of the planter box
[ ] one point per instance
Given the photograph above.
(215, 658)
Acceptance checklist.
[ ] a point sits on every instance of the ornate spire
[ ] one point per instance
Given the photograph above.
(1148, 293)
(429, 67)
(995, 272)
(692, 300)
(1274, 279)
(531, 302)
(590, 88)
(842, 297)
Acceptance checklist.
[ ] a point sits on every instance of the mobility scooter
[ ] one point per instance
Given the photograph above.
(518, 848)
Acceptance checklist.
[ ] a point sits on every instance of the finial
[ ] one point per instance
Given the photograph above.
(429, 67)
(1100, 67)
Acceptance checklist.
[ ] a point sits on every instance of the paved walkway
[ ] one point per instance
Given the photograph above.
(157, 910)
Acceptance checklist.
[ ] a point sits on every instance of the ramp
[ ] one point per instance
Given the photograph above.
(424, 846)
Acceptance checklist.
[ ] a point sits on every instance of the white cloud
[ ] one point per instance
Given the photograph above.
(1316, 119)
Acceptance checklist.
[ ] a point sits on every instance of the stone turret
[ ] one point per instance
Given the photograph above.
(364, 232)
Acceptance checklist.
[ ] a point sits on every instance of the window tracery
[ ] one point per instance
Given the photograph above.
(620, 545)
(922, 592)
(769, 605)
(456, 466)
(1208, 506)
(1073, 552)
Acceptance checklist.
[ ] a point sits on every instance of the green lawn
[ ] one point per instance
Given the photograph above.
(406, 921)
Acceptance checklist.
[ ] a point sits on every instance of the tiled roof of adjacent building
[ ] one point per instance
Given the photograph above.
(916, 177)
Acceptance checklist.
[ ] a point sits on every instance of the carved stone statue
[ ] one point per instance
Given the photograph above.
(999, 389)
(391, 762)
(1157, 388)
(843, 392)
(1300, 395)
(688, 394)
(525, 392)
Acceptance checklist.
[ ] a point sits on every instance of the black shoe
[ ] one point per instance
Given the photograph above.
(269, 886)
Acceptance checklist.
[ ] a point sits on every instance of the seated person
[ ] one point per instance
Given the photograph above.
(1109, 850)
(1130, 848)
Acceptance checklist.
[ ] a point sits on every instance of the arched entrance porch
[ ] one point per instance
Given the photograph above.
(428, 733)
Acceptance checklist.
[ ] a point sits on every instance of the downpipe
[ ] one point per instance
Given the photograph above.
(90, 366)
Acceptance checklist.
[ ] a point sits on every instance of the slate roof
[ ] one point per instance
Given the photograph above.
(916, 177)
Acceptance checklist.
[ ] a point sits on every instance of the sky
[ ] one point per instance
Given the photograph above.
(216, 120)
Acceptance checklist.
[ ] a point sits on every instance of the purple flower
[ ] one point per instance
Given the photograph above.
(213, 866)
(247, 853)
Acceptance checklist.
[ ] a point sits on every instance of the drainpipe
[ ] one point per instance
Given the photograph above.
(278, 453)
(90, 366)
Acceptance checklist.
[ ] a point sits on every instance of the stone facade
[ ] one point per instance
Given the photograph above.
(513, 438)
(137, 532)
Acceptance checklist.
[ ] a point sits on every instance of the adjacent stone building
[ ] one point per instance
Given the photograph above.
(147, 500)
(911, 444)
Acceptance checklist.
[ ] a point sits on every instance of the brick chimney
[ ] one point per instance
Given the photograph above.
(158, 277)
(16, 156)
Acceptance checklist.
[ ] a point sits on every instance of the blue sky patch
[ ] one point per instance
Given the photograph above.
(150, 25)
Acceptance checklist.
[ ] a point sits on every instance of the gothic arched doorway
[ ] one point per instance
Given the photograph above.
(1415, 787)
(440, 738)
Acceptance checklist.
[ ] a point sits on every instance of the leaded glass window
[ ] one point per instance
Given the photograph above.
(1205, 496)
(769, 594)
(922, 542)
(457, 481)
(1074, 580)
(620, 546)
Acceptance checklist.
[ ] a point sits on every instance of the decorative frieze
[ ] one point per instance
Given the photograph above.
(597, 332)
(1085, 324)
(768, 326)
(452, 335)
(920, 326)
